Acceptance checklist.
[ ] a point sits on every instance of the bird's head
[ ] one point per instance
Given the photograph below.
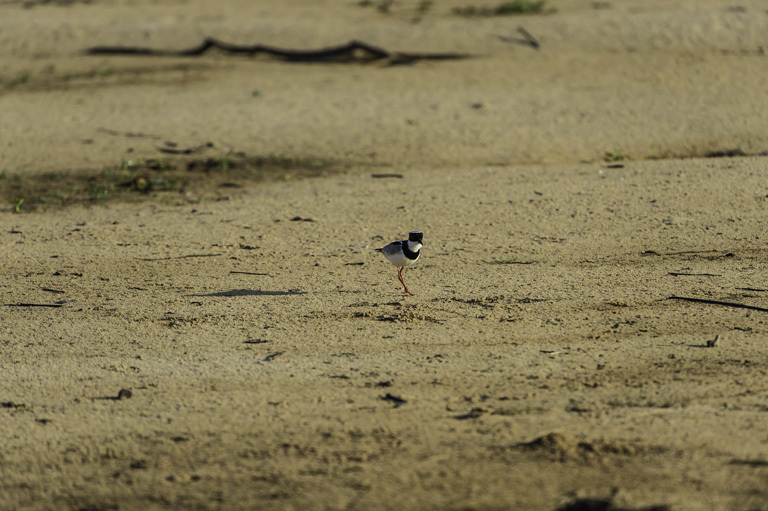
(415, 240)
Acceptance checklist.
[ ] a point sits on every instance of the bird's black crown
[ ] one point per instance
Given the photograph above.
(415, 236)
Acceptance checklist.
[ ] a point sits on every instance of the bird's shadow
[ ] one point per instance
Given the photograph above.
(250, 292)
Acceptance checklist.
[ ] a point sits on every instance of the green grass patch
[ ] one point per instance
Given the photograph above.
(616, 155)
(514, 8)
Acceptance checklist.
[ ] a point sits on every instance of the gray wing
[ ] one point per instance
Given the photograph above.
(392, 248)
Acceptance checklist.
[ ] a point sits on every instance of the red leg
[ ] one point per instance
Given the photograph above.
(400, 276)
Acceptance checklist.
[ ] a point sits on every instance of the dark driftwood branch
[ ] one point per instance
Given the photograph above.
(718, 302)
(353, 51)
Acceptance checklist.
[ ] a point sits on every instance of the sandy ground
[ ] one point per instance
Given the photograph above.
(550, 358)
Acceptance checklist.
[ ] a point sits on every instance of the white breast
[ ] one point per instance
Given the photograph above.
(399, 259)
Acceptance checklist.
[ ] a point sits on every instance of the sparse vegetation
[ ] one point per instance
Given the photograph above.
(15, 408)
(129, 165)
(516, 7)
(22, 78)
(385, 5)
(615, 155)
(93, 73)
(51, 77)
(138, 178)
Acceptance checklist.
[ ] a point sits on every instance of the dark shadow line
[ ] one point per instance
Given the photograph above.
(749, 463)
(53, 305)
(178, 257)
(680, 274)
(249, 292)
(718, 302)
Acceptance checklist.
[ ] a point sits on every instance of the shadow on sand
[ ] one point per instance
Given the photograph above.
(251, 292)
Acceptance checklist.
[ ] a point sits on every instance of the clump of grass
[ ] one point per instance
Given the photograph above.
(424, 6)
(100, 192)
(131, 164)
(96, 72)
(520, 7)
(15, 408)
(516, 7)
(22, 78)
(385, 5)
(615, 155)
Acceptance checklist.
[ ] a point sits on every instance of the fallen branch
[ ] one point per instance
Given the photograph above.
(718, 302)
(353, 51)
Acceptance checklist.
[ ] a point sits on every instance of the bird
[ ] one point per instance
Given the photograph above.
(404, 253)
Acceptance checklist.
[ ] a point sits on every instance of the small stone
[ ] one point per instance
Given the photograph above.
(124, 394)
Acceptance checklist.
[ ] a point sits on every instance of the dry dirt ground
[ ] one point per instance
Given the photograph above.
(193, 315)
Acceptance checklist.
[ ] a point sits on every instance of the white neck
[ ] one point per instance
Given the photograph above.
(414, 246)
